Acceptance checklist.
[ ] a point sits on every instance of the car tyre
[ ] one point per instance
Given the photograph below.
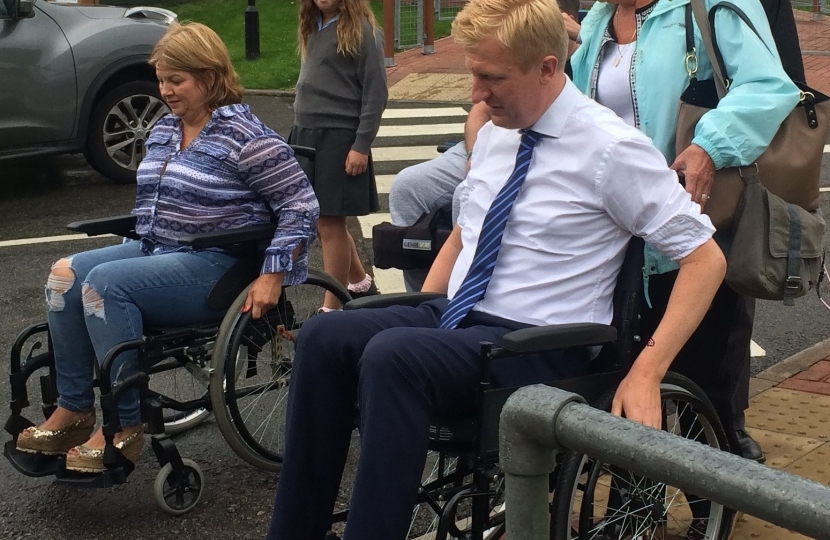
(118, 127)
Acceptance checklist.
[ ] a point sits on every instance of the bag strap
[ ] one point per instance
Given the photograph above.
(718, 71)
(691, 50)
(793, 282)
(706, 24)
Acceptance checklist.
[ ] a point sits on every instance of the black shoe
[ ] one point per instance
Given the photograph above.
(371, 291)
(748, 447)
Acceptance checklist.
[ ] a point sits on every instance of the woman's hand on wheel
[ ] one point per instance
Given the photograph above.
(698, 169)
(263, 294)
(356, 163)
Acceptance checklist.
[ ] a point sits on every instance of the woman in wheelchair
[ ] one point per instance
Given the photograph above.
(210, 166)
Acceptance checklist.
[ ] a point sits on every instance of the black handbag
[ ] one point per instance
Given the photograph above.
(416, 246)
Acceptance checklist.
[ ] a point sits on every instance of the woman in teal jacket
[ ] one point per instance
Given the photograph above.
(632, 59)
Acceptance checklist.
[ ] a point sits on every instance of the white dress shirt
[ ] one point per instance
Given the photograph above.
(593, 182)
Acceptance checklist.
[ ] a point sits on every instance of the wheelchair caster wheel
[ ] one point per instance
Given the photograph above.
(178, 491)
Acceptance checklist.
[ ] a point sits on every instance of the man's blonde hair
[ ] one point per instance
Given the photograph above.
(528, 29)
(198, 50)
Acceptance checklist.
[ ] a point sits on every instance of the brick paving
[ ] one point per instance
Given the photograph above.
(815, 379)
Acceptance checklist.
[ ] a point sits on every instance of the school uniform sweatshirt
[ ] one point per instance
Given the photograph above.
(342, 91)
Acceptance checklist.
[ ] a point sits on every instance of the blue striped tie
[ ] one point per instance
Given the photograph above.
(478, 277)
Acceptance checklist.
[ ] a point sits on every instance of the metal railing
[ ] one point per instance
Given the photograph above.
(538, 421)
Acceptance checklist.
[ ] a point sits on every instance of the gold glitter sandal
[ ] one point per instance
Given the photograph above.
(91, 460)
(35, 440)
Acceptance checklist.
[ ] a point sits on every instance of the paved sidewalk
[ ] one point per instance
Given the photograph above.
(789, 412)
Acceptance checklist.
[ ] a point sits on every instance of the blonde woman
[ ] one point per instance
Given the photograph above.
(210, 166)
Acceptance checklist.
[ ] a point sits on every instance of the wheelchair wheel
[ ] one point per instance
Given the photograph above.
(595, 500)
(251, 369)
(178, 492)
(445, 506)
(188, 382)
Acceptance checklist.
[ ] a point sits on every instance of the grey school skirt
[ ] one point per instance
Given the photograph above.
(338, 193)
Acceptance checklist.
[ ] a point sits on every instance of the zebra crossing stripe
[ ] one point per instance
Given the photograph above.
(433, 112)
(384, 182)
(423, 129)
(404, 153)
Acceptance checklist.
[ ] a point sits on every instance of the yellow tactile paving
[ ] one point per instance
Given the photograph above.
(752, 528)
(756, 386)
(449, 87)
(815, 465)
(782, 449)
(791, 412)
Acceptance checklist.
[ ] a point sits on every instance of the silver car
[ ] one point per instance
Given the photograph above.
(75, 78)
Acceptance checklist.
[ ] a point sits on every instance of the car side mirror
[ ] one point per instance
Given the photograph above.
(25, 8)
(19, 9)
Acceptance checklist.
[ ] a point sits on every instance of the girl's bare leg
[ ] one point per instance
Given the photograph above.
(340, 258)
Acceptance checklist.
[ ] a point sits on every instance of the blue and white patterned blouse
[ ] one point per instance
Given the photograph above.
(237, 172)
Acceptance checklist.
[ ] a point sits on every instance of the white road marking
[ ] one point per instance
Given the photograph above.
(423, 129)
(404, 153)
(47, 239)
(384, 182)
(367, 222)
(824, 189)
(826, 148)
(432, 112)
(755, 350)
(389, 280)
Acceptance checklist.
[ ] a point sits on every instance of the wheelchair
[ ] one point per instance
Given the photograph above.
(462, 492)
(237, 369)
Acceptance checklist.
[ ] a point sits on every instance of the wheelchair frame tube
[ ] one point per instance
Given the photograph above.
(538, 420)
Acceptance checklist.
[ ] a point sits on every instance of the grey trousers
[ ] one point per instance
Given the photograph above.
(421, 188)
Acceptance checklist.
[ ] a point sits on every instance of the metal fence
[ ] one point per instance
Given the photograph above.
(445, 10)
(539, 420)
(409, 23)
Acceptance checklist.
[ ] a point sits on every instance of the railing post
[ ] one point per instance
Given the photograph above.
(389, 33)
(817, 13)
(429, 27)
(251, 31)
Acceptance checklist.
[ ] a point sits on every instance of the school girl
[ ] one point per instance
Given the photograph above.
(341, 95)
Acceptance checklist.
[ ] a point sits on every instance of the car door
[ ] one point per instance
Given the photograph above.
(38, 93)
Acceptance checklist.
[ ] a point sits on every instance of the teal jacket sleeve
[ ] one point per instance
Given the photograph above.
(760, 96)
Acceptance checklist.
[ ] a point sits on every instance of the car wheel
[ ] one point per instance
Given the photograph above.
(120, 123)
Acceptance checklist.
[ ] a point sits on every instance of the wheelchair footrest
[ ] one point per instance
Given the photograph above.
(30, 464)
(103, 479)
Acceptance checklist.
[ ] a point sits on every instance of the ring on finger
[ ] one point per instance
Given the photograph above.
(704, 197)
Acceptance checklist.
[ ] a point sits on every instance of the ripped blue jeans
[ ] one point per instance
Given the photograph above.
(117, 291)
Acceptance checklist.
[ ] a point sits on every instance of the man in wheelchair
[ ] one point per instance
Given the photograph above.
(211, 167)
(558, 187)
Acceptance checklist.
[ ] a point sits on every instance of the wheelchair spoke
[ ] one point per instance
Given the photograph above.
(255, 362)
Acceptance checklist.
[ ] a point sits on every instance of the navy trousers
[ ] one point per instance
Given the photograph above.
(402, 370)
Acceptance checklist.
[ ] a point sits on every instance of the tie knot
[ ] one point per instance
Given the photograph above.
(530, 137)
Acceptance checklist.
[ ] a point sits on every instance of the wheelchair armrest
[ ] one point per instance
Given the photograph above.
(558, 336)
(394, 299)
(304, 151)
(118, 225)
(226, 238)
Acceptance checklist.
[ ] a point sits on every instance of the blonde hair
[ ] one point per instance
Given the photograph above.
(350, 19)
(198, 50)
(528, 29)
